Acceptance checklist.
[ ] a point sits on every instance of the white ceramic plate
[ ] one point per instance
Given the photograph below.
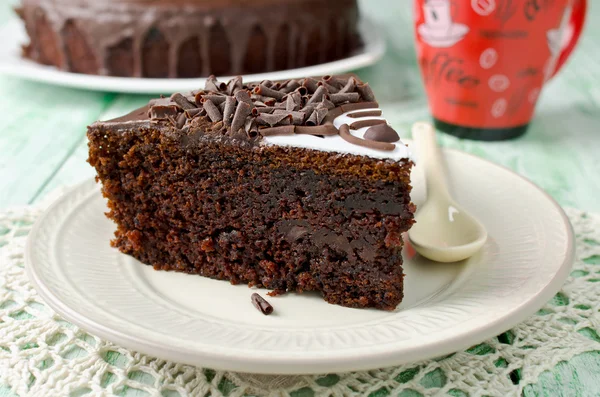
(194, 320)
(12, 63)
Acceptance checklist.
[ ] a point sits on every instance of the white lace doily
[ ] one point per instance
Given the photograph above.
(43, 355)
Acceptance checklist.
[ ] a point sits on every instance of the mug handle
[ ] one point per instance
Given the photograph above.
(577, 21)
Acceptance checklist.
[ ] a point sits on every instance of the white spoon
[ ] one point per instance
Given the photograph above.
(443, 232)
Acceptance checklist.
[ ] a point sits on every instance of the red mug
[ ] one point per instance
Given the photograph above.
(485, 62)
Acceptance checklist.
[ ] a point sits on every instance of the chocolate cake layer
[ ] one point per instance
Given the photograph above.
(198, 196)
(187, 38)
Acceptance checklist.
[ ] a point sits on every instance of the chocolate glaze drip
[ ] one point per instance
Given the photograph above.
(186, 38)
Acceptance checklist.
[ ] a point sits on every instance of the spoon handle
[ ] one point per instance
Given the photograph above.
(429, 155)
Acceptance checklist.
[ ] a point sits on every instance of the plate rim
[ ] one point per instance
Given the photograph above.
(323, 363)
(374, 48)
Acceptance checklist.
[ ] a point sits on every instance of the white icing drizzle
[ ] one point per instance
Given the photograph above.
(336, 143)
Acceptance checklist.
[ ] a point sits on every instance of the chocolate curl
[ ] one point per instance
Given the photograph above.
(212, 84)
(242, 111)
(293, 101)
(273, 120)
(371, 113)
(344, 97)
(324, 130)
(297, 117)
(366, 92)
(358, 106)
(195, 112)
(265, 100)
(162, 112)
(216, 99)
(302, 91)
(318, 95)
(212, 111)
(181, 120)
(281, 130)
(329, 87)
(221, 107)
(229, 110)
(335, 81)
(267, 91)
(234, 85)
(290, 86)
(350, 86)
(182, 101)
(267, 83)
(327, 104)
(366, 123)
(265, 109)
(317, 116)
(251, 128)
(345, 134)
(160, 102)
(243, 96)
(311, 84)
(280, 105)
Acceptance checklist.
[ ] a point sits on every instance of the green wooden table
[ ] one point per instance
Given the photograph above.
(43, 144)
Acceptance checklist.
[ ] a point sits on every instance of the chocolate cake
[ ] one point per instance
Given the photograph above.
(292, 186)
(133, 38)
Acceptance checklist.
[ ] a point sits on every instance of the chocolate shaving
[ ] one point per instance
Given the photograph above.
(265, 109)
(293, 102)
(162, 112)
(344, 97)
(345, 134)
(182, 101)
(366, 123)
(191, 113)
(329, 87)
(229, 110)
(290, 86)
(327, 103)
(324, 130)
(382, 133)
(350, 85)
(311, 84)
(216, 99)
(371, 113)
(267, 83)
(212, 84)
(251, 128)
(261, 304)
(243, 96)
(335, 81)
(302, 91)
(273, 120)
(267, 101)
(281, 130)
(160, 102)
(266, 91)
(317, 116)
(297, 116)
(365, 92)
(318, 95)
(212, 111)
(181, 120)
(242, 111)
(280, 105)
(358, 106)
(234, 85)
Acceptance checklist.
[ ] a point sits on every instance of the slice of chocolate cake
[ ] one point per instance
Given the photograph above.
(292, 186)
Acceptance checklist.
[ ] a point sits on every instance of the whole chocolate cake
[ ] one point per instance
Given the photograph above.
(187, 38)
(293, 186)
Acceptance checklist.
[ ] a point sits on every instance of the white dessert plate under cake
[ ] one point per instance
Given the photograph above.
(13, 64)
(209, 323)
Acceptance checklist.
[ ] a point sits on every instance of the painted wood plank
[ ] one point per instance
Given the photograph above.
(41, 126)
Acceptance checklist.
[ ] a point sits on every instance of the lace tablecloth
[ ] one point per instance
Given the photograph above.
(43, 355)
